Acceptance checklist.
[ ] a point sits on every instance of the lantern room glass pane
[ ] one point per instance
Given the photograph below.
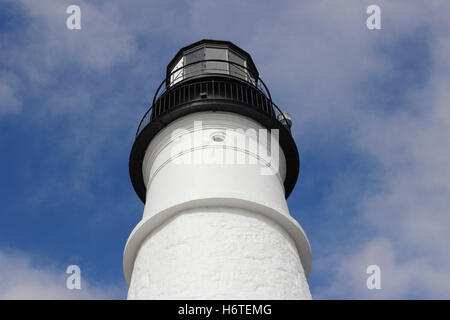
(198, 61)
(196, 68)
(177, 72)
(237, 69)
(216, 66)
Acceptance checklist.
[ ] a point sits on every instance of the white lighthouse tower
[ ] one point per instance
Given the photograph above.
(214, 162)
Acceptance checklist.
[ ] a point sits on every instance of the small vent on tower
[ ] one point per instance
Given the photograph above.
(218, 136)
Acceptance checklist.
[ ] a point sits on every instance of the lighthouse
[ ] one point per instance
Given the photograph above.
(214, 161)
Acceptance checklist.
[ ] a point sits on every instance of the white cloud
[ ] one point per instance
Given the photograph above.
(409, 213)
(103, 40)
(9, 100)
(20, 278)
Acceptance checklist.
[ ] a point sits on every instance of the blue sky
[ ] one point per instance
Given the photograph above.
(371, 120)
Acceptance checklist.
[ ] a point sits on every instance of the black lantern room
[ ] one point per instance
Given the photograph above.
(212, 75)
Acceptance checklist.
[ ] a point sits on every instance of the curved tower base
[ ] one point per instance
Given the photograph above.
(218, 253)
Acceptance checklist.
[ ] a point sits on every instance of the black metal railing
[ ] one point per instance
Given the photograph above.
(248, 89)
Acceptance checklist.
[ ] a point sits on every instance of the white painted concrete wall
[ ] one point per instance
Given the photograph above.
(214, 230)
(218, 253)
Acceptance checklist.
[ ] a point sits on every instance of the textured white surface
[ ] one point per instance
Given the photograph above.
(214, 230)
(218, 253)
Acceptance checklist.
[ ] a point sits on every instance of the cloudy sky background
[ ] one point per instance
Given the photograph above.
(371, 119)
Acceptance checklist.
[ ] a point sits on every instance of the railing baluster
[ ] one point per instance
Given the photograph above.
(165, 102)
(158, 108)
